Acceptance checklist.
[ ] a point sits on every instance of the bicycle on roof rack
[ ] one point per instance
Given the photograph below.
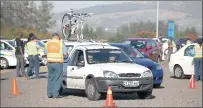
(72, 23)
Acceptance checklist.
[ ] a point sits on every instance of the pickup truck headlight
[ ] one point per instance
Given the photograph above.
(110, 74)
(158, 67)
(147, 74)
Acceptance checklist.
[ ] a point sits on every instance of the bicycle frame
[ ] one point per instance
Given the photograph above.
(74, 26)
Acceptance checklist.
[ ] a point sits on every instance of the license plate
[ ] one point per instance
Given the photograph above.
(131, 83)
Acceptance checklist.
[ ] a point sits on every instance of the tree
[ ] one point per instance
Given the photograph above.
(44, 16)
(100, 32)
(86, 31)
(125, 31)
(193, 31)
(187, 31)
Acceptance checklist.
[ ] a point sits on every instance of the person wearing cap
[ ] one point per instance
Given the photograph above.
(19, 53)
(55, 51)
(33, 56)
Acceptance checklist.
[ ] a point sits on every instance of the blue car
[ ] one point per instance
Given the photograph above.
(143, 60)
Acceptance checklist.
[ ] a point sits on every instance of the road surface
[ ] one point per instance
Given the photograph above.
(172, 93)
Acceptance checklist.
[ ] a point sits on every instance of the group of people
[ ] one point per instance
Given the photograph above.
(56, 53)
(32, 48)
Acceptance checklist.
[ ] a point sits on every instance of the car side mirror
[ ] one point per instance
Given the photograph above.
(149, 47)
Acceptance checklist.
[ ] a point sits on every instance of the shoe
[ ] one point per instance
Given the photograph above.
(58, 97)
(50, 96)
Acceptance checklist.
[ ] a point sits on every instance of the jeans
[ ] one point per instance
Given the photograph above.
(55, 74)
(33, 65)
(198, 68)
(20, 69)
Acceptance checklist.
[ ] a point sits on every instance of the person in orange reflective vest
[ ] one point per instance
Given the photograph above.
(198, 60)
(55, 51)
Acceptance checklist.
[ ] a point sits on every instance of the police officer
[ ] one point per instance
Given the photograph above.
(198, 60)
(55, 51)
(19, 53)
(33, 57)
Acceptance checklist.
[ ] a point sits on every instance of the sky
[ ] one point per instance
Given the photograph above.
(61, 6)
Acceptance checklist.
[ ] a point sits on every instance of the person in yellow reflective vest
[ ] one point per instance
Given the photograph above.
(198, 60)
(33, 56)
(55, 51)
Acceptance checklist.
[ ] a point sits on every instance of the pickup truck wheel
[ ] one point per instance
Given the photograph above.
(144, 94)
(178, 72)
(61, 91)
(91, 91)
(3, 63)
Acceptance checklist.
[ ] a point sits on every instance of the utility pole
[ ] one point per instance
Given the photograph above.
(157, 20)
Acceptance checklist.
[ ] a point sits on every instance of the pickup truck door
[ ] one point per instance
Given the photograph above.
(75, 72)
(187, 60)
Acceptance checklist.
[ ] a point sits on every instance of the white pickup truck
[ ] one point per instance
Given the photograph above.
(94, 68)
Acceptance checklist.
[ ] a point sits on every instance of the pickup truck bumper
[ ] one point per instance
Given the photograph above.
(102, 84)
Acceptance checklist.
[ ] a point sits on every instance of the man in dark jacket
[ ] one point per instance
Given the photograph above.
(19, 53)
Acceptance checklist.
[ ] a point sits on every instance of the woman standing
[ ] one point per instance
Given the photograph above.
(198, 60)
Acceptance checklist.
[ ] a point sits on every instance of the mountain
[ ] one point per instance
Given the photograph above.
(184, 13)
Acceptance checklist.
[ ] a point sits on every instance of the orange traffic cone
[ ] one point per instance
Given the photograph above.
(14, 87)
(192, 82)
(109, 99)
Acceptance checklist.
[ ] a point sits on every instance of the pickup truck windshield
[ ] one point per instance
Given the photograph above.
(96, 56)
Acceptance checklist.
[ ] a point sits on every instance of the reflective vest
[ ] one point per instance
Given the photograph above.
(32, 48)
(198, 51)
(172, 44)
(54, 51)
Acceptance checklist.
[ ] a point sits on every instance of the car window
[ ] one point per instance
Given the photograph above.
(41, 43)
(95, 56)
(164, 41)
(149, 43)
(69, 48)
(153, 43)
(131, 51)
(12, 43)
(5, 46)
(2, 47)
(127, 42)
(138, 44)
(78, 57)
(189, 51)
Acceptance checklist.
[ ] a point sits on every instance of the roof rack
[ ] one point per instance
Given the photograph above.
(83, 40)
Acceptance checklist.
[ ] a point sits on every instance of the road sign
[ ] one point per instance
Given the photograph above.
(171, 28)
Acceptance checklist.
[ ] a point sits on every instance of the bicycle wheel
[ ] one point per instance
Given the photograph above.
(66, 23)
